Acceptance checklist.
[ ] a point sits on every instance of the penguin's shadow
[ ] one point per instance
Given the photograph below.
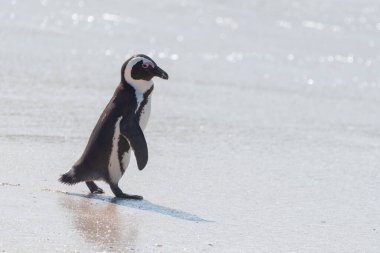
(143, 205)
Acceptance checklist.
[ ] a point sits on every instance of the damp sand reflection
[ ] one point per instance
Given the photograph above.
(101, 224)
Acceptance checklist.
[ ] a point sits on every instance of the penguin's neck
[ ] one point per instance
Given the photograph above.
(140, 87)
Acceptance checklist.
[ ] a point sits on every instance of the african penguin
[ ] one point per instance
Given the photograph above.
(119, 128)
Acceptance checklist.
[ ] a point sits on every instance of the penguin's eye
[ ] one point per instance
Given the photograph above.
(145, 65)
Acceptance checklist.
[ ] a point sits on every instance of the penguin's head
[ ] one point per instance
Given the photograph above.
(141, 68)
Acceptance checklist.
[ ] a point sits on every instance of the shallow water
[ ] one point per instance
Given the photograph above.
(265, 138)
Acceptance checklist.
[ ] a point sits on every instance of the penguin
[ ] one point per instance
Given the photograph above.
(119, 130)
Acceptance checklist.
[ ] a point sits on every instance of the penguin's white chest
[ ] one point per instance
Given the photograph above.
(114, 168)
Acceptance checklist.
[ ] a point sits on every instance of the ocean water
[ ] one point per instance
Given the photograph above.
(264, 139)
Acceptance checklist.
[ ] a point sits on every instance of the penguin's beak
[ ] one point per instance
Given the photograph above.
(157, 71)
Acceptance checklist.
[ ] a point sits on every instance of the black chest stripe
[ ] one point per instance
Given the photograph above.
(143, 103)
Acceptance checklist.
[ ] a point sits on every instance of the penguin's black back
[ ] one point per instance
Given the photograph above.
(93, 164)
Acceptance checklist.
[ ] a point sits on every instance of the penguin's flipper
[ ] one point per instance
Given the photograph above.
(131, 130)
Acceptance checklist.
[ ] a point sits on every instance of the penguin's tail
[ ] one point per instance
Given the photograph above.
(69, 178)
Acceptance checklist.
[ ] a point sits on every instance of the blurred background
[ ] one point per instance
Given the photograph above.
(268, 125)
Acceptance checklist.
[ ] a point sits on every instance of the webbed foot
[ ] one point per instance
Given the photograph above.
(94, 188)
(120, 194)
(127, 196)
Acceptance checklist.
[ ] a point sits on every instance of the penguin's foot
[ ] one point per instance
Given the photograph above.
(120, 194)
(127, 196)
(94, 188)
(98, 191)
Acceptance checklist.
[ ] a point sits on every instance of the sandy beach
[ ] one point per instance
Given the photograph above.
(266, 137)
